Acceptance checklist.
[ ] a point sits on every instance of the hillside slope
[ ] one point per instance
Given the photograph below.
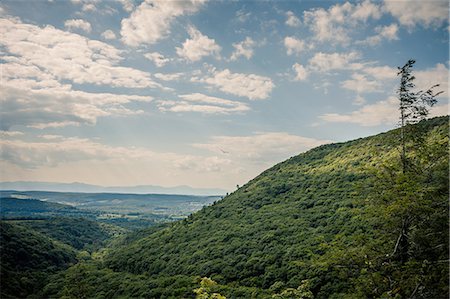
(27, 259)
(308, 218)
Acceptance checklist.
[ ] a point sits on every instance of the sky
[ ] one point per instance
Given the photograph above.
(202, 93)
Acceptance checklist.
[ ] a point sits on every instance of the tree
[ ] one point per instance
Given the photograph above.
(205, 290)
(413, 104)
(410, 202)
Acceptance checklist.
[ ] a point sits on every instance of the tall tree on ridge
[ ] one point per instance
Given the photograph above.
(413, 104)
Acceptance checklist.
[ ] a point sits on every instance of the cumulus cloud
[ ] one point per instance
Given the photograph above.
(168, 77)
(244, 48)
(381, 72)
(109, 34)
(292, 19)
(418, 12)
(89, 7)
(78, 24)
(59, 105)
(198, 46)
(127, 5)
(67, 56)
(252, 86)
(293, 45)
(334, 24)
(151, 20)
(325, 62)
(158, 59)
(361, 84)
(383, 33)
(197, 102)
(301, 73)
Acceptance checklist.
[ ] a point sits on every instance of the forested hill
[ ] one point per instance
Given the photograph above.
(328, 222)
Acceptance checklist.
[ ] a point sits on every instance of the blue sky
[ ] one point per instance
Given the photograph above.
(202, 93)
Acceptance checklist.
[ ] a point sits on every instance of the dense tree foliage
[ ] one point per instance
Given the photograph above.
(77, 232)
(309, 218)
(340, 221)
(27, 259)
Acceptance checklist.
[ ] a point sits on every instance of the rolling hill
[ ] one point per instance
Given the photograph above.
(314, 221)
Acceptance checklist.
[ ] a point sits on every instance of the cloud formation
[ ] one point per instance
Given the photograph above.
(151, 20)
(325, 62)
(198, 46)
(252, 86)
(78, 24)
(293, 45)
(301, 73)
(108, 35)
(334, 24)
(244, 48)
(59, 105)
(197, 102)
(292, 19)
(67, 56)
(418, 12)
(388, 32)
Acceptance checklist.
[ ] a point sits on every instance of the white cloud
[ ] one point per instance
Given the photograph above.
(198, 46)
(325, 62)
(361, 84)
(293, 45)
(262, 147)
(251, 86)
(383, 32)
(151, 20)
(57, 150)
(59, 105)
(381, 72)
(78, 24)
(61, 55)
(127, 5)
(244, 48)
(418, 12)
(168, 77)
(292, 19)
(431, 76)
(366, 10)
(8, 134)
(89, 7)
(381, 113)
(158, 59)
(109, 34)
(301, 72)
(197, 102)
(335, 24)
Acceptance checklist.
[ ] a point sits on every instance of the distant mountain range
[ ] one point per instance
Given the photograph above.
(80, 187)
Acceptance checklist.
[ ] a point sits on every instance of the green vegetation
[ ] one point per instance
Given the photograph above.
(77, 232)
(27, 259)
(25, 208)
(343, 220)
(312, 218)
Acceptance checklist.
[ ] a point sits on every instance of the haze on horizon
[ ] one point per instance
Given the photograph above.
(201, 93)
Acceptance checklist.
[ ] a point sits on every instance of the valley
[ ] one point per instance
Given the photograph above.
(317, 225)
